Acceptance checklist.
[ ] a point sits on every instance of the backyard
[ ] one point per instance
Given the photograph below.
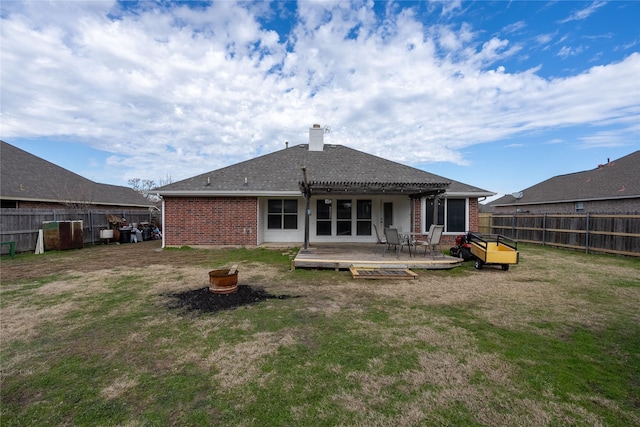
(127, 335)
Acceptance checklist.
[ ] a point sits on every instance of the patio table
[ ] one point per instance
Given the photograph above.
(409, 238)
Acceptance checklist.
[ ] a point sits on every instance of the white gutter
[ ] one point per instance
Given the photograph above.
(477, 194)
(545, 202)
(287, 194)
(80, 202)
(163, 229)
(231, 193)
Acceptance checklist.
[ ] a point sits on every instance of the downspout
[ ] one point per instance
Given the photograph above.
(164, 230)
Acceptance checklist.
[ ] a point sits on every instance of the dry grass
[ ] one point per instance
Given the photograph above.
(430, 321)
(239, 364)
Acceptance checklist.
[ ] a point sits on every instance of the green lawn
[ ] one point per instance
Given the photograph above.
(555, 341)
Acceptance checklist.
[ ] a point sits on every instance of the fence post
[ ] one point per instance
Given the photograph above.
(586, 235)
(544, 229)
(513, 226)
(91, 221)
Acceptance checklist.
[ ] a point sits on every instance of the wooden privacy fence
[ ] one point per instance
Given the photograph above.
(608, 233)
(21, 225)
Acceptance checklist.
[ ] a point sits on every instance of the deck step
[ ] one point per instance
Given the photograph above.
(382, 273)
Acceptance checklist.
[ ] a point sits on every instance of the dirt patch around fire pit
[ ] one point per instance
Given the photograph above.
(203, 300)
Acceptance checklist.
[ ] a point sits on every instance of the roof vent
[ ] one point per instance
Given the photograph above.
(316, 138)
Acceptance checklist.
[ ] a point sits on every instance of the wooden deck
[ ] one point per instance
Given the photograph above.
(343, 256)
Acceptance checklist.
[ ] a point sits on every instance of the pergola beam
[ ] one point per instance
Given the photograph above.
(413, 190)
(374, 188)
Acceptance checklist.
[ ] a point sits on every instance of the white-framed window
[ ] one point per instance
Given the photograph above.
(323, 217)
(344, 217)
(452, 213)
(282, 214)
(363, 217)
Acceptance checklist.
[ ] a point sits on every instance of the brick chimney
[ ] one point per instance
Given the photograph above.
(316, 138)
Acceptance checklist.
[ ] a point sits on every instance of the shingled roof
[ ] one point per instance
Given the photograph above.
(26, 177)
(334, 168)
(619, 179)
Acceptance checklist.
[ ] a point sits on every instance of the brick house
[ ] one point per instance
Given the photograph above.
(29, 182)
(344, 191)
(71, 210)
(612, 187)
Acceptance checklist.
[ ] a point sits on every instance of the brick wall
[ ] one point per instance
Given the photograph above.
(473, 215)
(192, 221)
(448, 240)
(417, 214)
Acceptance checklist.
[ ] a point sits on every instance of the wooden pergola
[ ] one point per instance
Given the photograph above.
(413, 190)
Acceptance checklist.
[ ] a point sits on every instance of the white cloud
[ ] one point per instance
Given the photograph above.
(566, 51)
(609, 138)
(515, 27)
(544, 39)
(185, 91)
(584, 13)
(449, 6)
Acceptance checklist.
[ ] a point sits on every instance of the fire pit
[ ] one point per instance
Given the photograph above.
(223, 281)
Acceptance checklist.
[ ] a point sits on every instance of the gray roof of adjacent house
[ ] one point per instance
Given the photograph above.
(26, 177)
(334, 168)
(619, 179)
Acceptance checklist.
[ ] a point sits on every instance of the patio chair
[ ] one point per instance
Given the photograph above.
(393, 239)
(433, 240)
(381, 240)
(406, 238)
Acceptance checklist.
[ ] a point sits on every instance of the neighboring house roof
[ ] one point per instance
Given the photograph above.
(334, 167)
(619, 179)
(26, 177)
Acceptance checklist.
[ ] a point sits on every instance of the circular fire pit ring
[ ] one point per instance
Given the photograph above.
(224, 281)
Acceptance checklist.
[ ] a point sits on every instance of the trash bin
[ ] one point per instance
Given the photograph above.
(146, 233)
(125, 235)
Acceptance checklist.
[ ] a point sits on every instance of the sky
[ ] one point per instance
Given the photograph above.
(500, 95)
